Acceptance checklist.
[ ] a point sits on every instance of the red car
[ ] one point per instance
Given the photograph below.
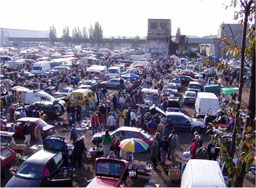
(185, 80)
(109, 172)
(48, 129)
(125, 132)
(188, 73)
(8, 156)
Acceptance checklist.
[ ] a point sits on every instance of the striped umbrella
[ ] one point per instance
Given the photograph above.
(133, 145)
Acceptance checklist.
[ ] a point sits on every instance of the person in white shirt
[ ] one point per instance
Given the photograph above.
(111, 122)
(133, 117)
(121, 102)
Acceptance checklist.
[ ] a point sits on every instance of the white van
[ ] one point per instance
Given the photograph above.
(41, 67)
(202, 173)
(206, 103)
(35, 96)
(114, 71)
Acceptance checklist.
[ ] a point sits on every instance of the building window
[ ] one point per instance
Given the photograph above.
(163, 25)
(153, 25)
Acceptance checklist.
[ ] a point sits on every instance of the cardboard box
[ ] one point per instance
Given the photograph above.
(175, 174)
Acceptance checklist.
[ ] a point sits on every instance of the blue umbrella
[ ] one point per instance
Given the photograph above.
(130, 76)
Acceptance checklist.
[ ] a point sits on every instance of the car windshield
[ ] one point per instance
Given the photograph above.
(44, 124)
(194, 86)
(5, 153)
(63, 90)
(36, 68)
(191, 94)
(110, 168)
(112, 71)
(30, 171)
(87, 83)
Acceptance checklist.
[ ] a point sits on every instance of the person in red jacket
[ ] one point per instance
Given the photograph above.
(193, 148)
(95, 122)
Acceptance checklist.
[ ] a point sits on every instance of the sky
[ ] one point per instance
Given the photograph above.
(118, 18)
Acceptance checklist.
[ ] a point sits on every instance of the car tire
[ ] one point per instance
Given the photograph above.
(198, 129)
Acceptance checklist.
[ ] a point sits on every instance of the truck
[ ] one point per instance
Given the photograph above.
(206, 103)
(41, 67)
(214, 88)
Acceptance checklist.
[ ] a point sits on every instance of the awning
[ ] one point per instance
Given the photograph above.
(227, 91)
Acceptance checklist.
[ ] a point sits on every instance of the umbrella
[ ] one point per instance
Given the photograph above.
(130, 76)
(133, 145)
(227, 91)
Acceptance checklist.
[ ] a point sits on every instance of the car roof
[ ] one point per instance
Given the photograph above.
(126, 128)
(190, 92)
(174, 113)
(41, 157)
(31, 119)
(191, 82)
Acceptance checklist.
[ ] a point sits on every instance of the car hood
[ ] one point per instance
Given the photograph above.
(97, 136)
(197, 122)
(16, 181)
(104, 182)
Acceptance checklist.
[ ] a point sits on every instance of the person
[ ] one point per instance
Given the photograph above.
(87, 105)
(207, 118)
(121, 102)
(27, 132)
(69, 112)
(194, 146)
(78, 112)
(39, 133)
(111, 155)
(42, 115)
(161, 129)
(133, 118)
(125, 116)
(95, 123)
(198, 138)
(23, 113)
(36, 113)
(202, 153)
(117, 148)
(73, 133)
(106, 142)
(154, 152)
(73, 112)
(212, 151)
(173, 144)
(111, 122)
(78, 151)
(163, 149)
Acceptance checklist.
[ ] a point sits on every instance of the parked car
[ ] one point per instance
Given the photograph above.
(113, 83)
(189, 97)
(48, 129)
(51, 109)
(109, 172)
(89, 84)
(185, 80)
(46, 167)
(8, 158)
(195, 86)
(182, 122)
(28, 74)
(63, 93)
(170, 89)
(187, 73)
(177, 82)
(124, 132)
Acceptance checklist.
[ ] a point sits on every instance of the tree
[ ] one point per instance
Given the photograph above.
(85, 35)
(135, 41)
(242, 146)
(66, 37)
(178, 34)
(76, 35)
(96, 33)
(52, 35)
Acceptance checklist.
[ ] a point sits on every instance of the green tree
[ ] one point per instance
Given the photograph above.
(243, 147)
(52, 35)
(96, 34)
(178, 34)
(66, 37)
(76, 35)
